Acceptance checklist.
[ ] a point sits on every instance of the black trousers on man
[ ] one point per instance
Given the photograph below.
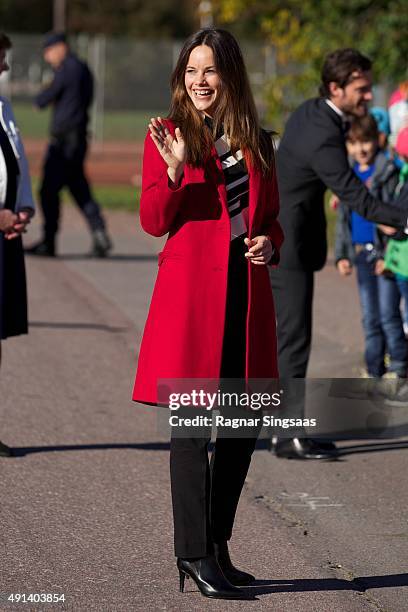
(205, 495)
(64, 167)
(293, 296)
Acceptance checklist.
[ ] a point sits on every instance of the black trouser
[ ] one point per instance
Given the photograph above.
(293, 295)
(205, 497)
(64, 166)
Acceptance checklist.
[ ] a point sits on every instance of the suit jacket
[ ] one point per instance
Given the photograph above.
(312, 157)
(183, 336)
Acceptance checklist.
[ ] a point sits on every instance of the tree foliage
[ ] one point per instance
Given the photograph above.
(303, 31)
(142, 18)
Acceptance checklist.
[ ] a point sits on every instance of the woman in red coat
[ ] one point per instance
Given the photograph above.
(209, 182)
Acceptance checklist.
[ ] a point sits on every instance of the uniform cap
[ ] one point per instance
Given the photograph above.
(53, 38)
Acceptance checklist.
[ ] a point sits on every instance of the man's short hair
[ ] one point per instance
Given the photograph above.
(340, 67)
(364, 129)
(5, 42)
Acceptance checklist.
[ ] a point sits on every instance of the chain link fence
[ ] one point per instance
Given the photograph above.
(131, 76)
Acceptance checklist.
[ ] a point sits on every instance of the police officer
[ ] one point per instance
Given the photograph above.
(70, 94)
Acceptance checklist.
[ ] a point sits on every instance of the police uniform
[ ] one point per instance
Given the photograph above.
(70, 93)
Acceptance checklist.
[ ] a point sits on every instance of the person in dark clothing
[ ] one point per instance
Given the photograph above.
(16, 210)
(70, 93)
(311, 158)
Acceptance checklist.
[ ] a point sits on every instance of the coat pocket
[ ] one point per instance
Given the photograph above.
(167, 255)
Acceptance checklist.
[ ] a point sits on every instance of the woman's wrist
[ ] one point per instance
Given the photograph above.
(272, 249)
(175, 174)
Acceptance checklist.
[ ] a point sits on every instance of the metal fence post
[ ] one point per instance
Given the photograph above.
(98, 63)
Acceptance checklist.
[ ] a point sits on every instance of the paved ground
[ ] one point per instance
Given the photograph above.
(85, 505)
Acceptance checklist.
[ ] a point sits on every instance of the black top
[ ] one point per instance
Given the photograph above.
(312, 157)
(71, 93)
(12, 170)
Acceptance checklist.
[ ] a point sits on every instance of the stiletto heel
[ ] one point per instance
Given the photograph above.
(182, 577)
(209, 578)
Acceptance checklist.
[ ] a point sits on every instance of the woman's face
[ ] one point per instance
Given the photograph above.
(202, 81)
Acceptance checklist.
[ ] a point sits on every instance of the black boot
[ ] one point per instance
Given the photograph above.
(5, 451)
(102, 244)
(209, 578)
(44, 248)
(232, 574)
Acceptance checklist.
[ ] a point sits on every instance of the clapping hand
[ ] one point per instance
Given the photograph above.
(171, 148)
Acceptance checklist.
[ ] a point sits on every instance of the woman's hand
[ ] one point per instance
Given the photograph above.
(171, 148)
(7, 220)
(260, 250)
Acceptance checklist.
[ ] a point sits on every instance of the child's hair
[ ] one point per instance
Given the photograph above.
(363, 129)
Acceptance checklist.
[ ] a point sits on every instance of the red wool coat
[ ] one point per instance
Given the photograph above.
(184, 330)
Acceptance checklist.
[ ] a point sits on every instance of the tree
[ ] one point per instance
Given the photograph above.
(303, 31)
(142, 18)
(25, 15)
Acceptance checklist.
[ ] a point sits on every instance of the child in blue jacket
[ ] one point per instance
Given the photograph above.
(361, 243)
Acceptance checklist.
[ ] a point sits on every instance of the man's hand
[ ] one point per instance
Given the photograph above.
(344, 267)
(387, 230)
(19, 227)
(7, 220)
(260, 250)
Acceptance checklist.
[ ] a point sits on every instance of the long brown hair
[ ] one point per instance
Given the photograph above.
(235, 113)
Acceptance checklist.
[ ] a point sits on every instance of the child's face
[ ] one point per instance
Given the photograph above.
(363, 151)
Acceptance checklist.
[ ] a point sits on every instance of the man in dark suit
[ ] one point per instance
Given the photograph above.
(311, 158)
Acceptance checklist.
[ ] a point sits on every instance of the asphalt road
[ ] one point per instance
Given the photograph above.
(85, 502)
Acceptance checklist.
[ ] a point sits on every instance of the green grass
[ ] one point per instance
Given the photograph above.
(111, 197)
(117, 197)
(117, 125)
(126, 197)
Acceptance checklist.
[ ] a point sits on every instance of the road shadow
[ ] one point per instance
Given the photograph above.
(114, 257)
(22, 451)
(63, 325)
(360, 584)
(372, 447)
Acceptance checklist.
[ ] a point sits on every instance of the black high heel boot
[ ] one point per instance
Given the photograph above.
(5, 451)
(209, 578)
(232, 574)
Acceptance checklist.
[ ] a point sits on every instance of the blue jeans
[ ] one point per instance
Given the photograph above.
(375, 342)
(391, 320)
